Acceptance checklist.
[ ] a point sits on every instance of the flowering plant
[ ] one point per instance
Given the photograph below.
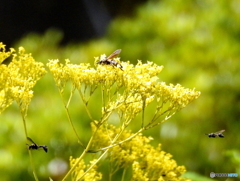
(126, 95)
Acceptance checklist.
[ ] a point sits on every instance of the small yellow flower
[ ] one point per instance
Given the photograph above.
(3, 53)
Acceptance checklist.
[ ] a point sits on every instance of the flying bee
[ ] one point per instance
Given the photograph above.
(217, 134)
(34, 146)
(109, 60)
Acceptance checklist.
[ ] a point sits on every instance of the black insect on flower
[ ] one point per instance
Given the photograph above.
(109, 60)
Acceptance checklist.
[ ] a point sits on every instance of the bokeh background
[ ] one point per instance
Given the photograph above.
(197, 42)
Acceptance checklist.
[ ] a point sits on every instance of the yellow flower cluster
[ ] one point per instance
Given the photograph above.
(126, 91)
(79, 170)
(137, 156)
(18, 78)
(132, 78)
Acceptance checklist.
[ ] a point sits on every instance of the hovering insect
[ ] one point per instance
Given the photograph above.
(109, 60)
(34, 146)
(217, 134)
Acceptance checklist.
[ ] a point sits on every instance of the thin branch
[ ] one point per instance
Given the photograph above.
(143, 111)
(68, 115)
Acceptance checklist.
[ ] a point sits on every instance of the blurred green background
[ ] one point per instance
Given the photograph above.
(197, 42)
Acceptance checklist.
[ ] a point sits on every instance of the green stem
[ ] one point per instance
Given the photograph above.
(93, 165)
(89, 168)
(85, 105)
(123, 175)
(23, 114)
(32, 165)
(143, 111)
(68, 115)
(82, 155)
(71, 123)
(120, 142)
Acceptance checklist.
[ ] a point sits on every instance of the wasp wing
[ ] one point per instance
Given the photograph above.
(114, 54)
(31, 140)
(219, 132)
